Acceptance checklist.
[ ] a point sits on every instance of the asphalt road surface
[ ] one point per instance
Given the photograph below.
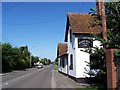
(31, 78)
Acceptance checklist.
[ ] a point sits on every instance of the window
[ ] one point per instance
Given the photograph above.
(70, 35)
(71, 62)
(63, 64)
(85, 42)
(60, 62)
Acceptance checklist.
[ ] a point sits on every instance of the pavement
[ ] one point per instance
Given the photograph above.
(62, 81)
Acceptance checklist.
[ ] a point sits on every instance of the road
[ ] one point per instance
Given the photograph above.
(31, 78)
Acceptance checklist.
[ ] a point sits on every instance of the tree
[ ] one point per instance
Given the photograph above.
(25, 55)
(45, 61)
(56, 61)
(113, 36)
(6, 57)
(49, 61)
(35, 59)
(97, 66)
(14, 58)
(112, 22)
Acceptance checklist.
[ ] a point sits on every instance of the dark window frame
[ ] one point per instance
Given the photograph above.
(63, 63)
(70, 35)
(60, 62)
(71, 62)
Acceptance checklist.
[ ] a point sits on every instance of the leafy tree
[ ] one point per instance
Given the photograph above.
(45, 61)
(23, 64)
(112, 22)
(35, 59)
(113, 37)
(14, 58)
(6, 57)
(49, 61)
(25, 55)
(56, 61)
(97, 66)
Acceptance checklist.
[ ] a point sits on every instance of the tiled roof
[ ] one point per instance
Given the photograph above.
(62, 49)
(80, 23)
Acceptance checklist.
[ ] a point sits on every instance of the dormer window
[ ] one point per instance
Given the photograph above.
(85, 42)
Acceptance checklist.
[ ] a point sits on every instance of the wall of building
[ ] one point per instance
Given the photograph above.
(81, 59)
(97, 43)
(61, 68)
(71, 50)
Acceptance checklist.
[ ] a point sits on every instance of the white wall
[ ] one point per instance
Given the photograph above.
(64, 70)
(59, 67)
(81, 59)
(97, 43)
(71, 50)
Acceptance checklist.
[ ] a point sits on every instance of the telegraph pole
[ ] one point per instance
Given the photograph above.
(101, 12)
(30, 58)
(103, 20)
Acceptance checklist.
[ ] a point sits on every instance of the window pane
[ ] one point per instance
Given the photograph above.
(71, 62)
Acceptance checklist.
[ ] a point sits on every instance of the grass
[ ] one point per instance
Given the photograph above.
(88, 88)
(55, 67)
(95, 87)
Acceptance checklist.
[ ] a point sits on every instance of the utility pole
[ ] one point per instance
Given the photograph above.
(30, 58)
(98, 7)
(103, 20)
(101, 12)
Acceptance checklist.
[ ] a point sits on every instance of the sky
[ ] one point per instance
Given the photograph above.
(39, 25)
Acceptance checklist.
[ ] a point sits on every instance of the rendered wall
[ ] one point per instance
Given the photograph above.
(71, 50)
(60, 68)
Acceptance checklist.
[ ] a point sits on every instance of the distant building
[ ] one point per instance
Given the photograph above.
(71, 55)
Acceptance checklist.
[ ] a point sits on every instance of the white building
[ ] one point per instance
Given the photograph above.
(71, 55)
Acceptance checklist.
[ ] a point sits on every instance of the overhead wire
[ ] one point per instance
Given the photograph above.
(6, 9)
(82, 6)
(36, 23)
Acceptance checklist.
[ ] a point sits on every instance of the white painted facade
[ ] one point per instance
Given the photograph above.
(61, 68)
(80, 57)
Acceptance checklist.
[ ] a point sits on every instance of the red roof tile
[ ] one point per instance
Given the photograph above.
(80, 23)
(62, 49)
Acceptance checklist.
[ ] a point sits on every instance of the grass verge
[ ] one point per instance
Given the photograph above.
(55, 67)
(88, 88)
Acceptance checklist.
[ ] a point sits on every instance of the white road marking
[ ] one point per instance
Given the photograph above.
(53, 83)
(23, 76)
